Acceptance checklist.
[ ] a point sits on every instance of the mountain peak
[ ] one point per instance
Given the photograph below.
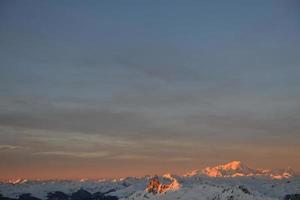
(158, 185)
(237, 168)
(234, 165)
(17, 181)
(234, 168)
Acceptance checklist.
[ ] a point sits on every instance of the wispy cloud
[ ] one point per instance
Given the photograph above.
(181, 159)
(8, 147)
(132, 157)
(74, 154)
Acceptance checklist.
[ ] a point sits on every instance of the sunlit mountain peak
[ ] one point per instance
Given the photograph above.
(237, 168)
(163, 184)
(168, 176)
(17, 181)
(234, 165)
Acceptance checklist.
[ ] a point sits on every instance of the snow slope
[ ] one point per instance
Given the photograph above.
(212, 183)
(237, 168)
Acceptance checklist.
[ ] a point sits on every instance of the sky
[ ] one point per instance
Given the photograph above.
(102, 89)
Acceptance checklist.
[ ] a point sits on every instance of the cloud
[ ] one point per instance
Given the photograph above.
(181, 159)
(132, 157)
(96, 121)
(74, 154)
(5, 147)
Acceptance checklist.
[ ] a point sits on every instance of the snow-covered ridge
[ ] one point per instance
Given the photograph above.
(17, 181)
(238, 169)
(233, 180)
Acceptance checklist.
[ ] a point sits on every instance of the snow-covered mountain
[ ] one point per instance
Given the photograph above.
(158, 185)
(229, 181)
(237, 168)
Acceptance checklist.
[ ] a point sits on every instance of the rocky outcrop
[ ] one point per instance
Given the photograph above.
(155, 186)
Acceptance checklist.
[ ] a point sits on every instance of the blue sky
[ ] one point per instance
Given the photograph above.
(131, 82)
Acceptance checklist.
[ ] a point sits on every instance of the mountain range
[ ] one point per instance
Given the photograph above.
(237, 168)
(233, 180)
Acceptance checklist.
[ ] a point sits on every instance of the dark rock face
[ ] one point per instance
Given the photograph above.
(27, 196)
(292, 197)
(244, 189)
(5, 198)
(110, 198)
(104, 198)
(57, 196)
(85, 195)
(97, 196)
(81, 195)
